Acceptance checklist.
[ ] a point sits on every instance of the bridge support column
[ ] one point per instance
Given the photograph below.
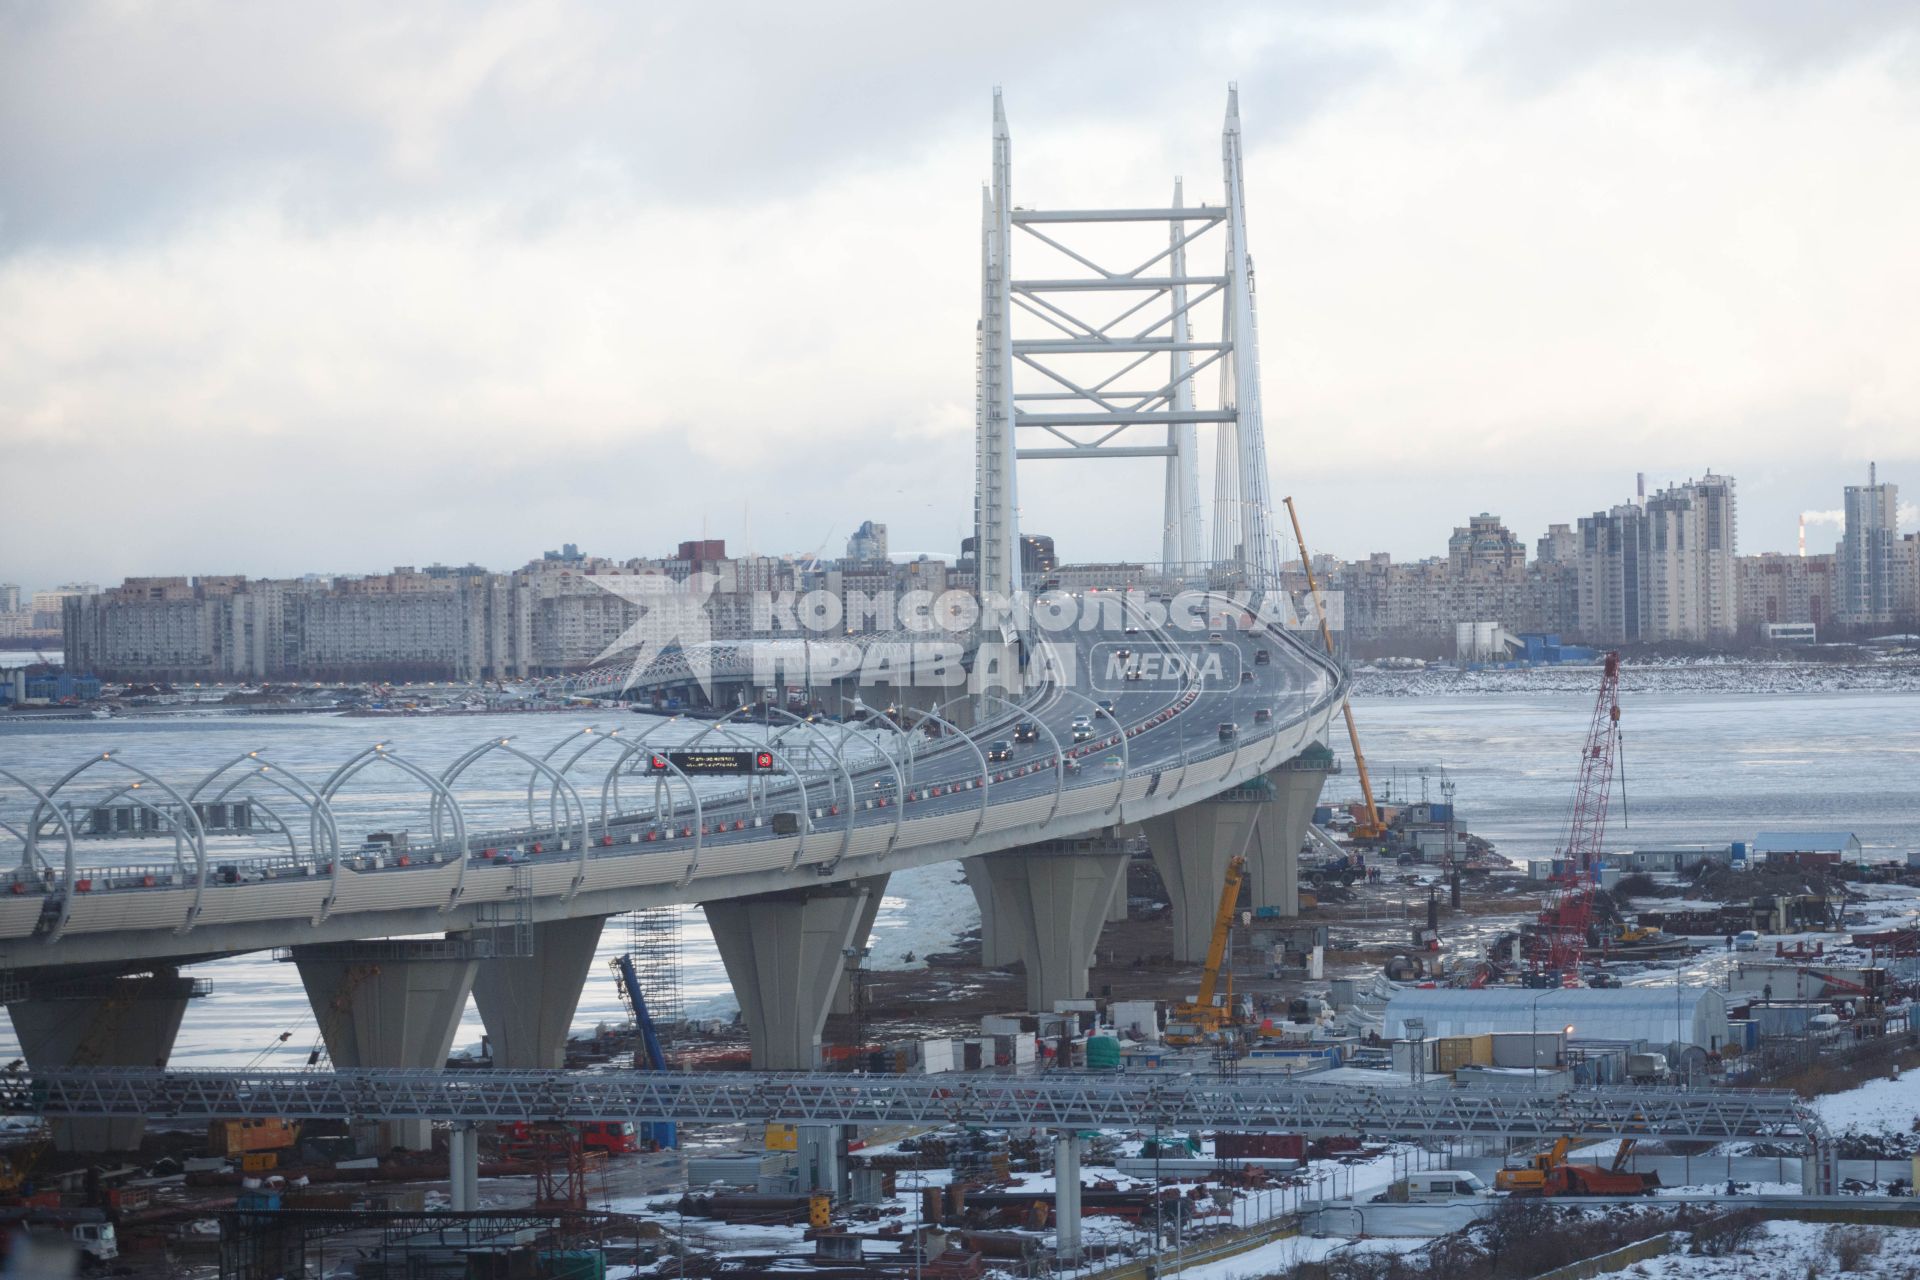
(1273, 855)
(785, 953)
(388, 1004)
(1066, 1194)
(463, 1168)
(527, 1002)
(822, 1156)
(1192, 847)
(1117, 906)
(1053, 899)
(999, 941)
(876, 887)
(101, 1022)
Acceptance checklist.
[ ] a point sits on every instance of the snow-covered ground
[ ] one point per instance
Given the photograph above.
(1793, 1251)
(1697, 676)
(1280, 1257)
(1878, 1106)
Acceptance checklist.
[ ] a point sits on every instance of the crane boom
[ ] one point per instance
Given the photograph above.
(1222, 923)
(1372, 828)
(1567, 915)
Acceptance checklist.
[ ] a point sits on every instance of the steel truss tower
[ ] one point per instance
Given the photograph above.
(1106, 351)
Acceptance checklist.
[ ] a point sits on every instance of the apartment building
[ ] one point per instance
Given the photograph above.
(1868, 587)
(1780, 588)
(1662, 569)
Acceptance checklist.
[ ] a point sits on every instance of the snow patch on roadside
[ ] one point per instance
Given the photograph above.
(1878, 1106)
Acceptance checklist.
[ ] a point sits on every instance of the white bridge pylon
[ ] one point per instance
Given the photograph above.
(1085, 359)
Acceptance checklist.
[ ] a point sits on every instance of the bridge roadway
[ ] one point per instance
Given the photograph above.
(89, 953)
(1170, 756)
(1066, 1100)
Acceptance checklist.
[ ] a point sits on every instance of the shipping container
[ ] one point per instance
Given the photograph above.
(1403, 1055)
(1526, 1049)
(1135, 1017)
(936, 1056)
(1256, 1146)
(1014, 1050)
(1450, 1053)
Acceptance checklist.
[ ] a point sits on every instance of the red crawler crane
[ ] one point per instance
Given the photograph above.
(1563, 924)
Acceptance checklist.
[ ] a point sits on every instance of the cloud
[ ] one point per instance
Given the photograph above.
(296, 289)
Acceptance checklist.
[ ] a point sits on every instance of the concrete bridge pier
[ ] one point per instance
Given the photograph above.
(1066, 1195)
(785, 953)
(1053, 899)
(393, 1003)
(1273, 855)
(463, 1168)
(876, 887)
(1117, 905)
(999, 942)
(101, 1021)
(1192, 847)
(527, 1002)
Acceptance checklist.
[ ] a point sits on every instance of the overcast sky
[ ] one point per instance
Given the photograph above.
(333, 287)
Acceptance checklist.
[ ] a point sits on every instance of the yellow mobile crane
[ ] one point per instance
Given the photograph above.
(1371, 827)
(1204, 1018)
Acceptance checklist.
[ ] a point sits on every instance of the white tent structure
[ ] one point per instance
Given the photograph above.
(1656, 1015)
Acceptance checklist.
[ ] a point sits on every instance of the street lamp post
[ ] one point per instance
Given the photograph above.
(1533, 1042)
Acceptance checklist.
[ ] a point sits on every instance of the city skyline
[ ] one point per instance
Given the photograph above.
(1820, 523)
(1659, 568)
(454, 290)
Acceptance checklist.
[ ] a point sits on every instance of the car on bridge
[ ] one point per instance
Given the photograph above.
(1106, 705)
(1262, 715)
(1261, 657)
(999, 749)
(1026, 731)
(1228, 731)
(1082, 728)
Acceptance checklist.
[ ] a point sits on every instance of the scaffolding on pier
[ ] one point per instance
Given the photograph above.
(653, 947)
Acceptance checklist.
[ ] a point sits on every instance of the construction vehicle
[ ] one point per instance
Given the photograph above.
(1632, 933)
(244, 1138)
(655, 1135)
(1208, 1016)
(1561, 932)
(523, 1140)
(1368, 827)
(1550, 1174)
